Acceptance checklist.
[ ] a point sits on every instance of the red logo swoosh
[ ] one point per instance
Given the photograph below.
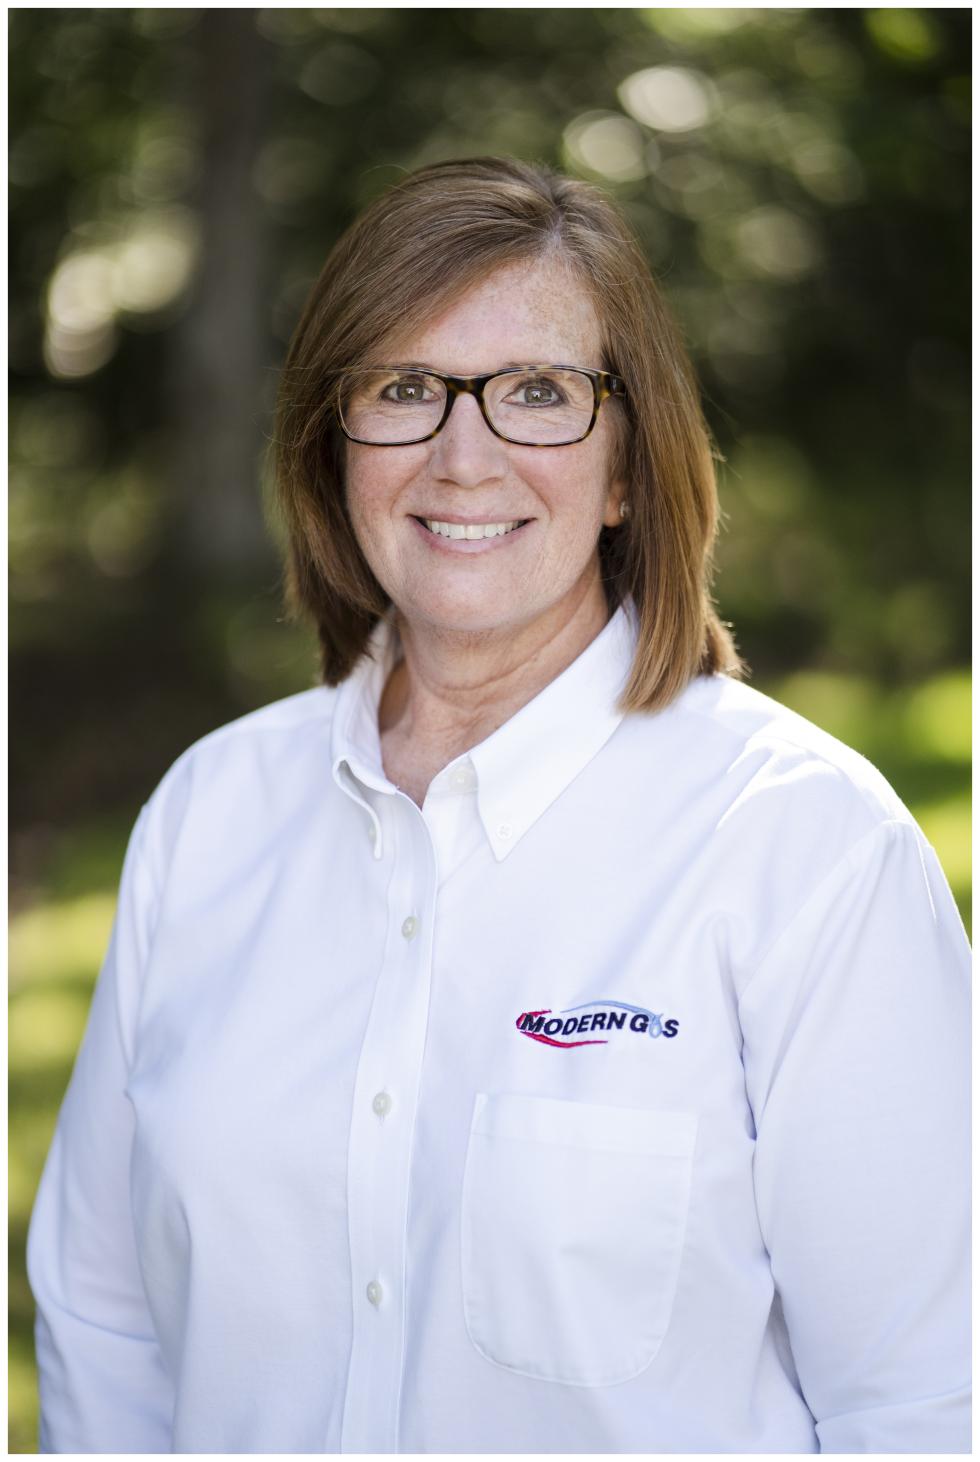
(546, 1040)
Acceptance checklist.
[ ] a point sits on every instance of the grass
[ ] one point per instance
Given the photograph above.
(919, 739)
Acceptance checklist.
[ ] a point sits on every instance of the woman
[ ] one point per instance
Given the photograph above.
(533, 1040)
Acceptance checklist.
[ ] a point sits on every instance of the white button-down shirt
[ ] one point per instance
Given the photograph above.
(614, 1101)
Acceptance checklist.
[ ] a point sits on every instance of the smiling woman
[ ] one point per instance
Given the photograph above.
(533, 581)
(478, 267)
(504, 1046)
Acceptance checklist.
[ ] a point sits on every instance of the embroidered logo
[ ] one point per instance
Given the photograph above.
(604, 1015)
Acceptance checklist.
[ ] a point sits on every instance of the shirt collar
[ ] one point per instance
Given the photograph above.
(356, 739)
(524, 765)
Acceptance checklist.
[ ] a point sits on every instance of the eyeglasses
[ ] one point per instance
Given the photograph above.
(532, 406)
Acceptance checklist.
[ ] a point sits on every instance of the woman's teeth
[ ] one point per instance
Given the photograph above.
(470, 530)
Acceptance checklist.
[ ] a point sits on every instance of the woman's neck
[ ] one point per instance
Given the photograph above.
(452, 691)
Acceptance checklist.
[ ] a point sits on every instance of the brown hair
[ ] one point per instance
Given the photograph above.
(409, 254)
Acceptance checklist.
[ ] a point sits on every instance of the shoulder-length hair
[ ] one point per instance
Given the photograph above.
(411, 253)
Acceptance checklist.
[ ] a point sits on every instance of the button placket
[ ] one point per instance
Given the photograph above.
(379, 1155)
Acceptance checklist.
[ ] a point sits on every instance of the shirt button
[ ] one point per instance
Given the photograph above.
(504, 830)
(375, 1292)
(372, 832)
(382, 1104)
(462, 777)
(410, 927)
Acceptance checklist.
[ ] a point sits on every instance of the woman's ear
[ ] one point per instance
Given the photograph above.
(613, 515)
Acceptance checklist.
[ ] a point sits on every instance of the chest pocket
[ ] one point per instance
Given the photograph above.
(573, 1219)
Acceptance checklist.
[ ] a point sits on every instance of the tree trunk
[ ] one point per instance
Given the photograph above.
(220, 347)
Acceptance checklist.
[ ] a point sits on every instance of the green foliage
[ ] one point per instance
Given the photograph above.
(798, 177)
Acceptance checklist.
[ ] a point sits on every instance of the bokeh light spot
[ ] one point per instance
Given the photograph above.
(137, 270)
(912, 36)
(774, 241)
(693, 25)
(80, 293)
(667, 98)
(937, 717)
(607, 144)
(153, 265)
(829, 171)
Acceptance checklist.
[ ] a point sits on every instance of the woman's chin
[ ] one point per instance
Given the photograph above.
(491, 609)
(461, 618)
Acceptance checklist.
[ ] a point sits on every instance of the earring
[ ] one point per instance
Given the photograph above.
(624, 511)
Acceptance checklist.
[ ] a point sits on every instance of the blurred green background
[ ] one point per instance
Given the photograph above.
(800, 179)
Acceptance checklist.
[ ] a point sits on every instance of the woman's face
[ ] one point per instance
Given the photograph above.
(522, 315)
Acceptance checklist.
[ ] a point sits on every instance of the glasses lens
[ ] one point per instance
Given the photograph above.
(388, 407)
(541, 407)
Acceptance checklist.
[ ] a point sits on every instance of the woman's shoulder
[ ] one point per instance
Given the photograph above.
(264, 760)
(257, 733)
(785, 807)
(773, 761)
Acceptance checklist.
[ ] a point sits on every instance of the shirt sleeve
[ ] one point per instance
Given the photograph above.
(856, 1055)
(102, 1380)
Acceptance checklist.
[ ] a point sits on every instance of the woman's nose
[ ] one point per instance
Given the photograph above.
(466, 451)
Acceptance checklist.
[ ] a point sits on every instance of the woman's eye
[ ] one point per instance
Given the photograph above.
(406, 392)
(537, 393)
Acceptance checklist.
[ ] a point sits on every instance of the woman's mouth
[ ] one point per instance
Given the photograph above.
(469, 537)
(472, 531)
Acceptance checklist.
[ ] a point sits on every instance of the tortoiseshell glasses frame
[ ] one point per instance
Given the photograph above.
(604, 385)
